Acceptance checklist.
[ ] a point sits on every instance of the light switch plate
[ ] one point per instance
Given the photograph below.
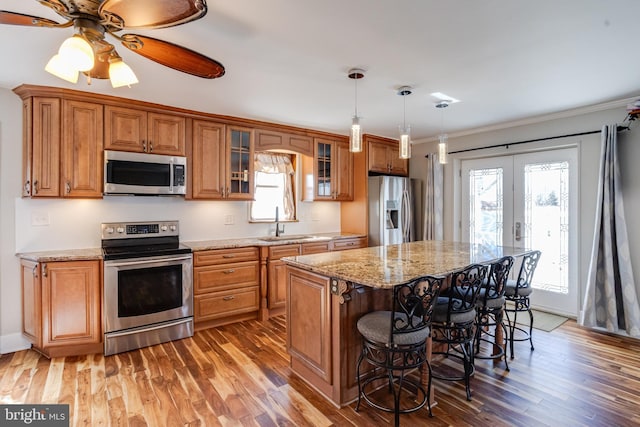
(39, 219)
(229, 220)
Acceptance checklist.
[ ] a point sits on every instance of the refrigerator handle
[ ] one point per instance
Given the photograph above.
(406, 217)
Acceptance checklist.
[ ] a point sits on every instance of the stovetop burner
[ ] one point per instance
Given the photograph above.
(141, 239)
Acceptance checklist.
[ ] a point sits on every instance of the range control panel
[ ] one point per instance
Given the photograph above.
(129, 230)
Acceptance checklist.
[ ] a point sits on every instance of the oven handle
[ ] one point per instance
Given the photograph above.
(147, 261)
(148, 328)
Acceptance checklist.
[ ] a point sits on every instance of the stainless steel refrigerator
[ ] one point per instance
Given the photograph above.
(395, 210)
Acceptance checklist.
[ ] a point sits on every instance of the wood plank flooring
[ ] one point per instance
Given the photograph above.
(238, 375)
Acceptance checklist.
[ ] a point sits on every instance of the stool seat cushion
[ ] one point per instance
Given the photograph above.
(441, 308)
(510, 289)
(376, 327)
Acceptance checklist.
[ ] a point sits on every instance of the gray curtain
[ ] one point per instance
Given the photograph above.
(433, 200)
(610, 301)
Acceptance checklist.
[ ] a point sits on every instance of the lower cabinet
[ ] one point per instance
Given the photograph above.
(349, 243)
(61, 306)
(226, 286)
(277, 279)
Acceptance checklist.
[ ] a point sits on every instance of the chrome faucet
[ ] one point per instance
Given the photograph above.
(279, 230)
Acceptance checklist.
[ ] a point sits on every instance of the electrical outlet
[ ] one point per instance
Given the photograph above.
(39, 219)
(229, 220)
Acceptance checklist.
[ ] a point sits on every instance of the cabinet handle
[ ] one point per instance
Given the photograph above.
(35, 271)
(67, 187)
(228, 256)
(227, 194)
(229, 271)
(44, 270)
(27, 188)
(229, 298)
(144, 145)
(150, 146)
(35, 187)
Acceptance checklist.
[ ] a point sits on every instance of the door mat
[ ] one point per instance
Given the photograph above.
(541, 320)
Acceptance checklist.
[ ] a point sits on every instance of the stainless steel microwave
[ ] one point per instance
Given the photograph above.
(144, 174)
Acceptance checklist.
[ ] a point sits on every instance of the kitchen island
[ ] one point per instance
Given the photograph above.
(327, 293)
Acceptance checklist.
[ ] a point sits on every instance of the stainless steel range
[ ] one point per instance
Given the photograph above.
(148, 285)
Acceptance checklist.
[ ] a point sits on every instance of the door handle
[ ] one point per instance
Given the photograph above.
(518, 232)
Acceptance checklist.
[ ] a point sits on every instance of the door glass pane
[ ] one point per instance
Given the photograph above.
(485, 206)
(546, 215)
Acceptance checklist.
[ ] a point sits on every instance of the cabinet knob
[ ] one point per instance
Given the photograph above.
(35, 187)
(150, 146)
(44, 270)
(67, 187)
(27, 188)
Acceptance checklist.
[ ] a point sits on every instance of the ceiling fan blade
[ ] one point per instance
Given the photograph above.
(174, 56)
(151, 13)
(13, 18)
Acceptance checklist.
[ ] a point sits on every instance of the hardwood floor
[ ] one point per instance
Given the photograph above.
(238, 375)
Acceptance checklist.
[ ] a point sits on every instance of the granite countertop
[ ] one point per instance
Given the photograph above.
(96, 253)
(387, 266)
(204, 245)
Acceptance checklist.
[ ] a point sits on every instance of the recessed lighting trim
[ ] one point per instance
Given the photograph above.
(444, 97)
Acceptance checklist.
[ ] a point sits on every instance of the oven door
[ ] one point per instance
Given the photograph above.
(145, 291)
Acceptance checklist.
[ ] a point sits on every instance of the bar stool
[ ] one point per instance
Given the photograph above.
(454, 318)
(490, 311)
(517, 292)
(395, 342)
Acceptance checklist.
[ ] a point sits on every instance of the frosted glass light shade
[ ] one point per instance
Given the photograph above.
(77, 53)
(59, 68)
(121, 74)
(355, 140)
(442, 149)
(405, 142)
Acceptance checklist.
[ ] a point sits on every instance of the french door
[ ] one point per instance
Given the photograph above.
(528, 200)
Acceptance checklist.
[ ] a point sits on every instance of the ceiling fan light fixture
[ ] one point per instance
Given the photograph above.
(59, 68)
(77, 53)
(121, 74)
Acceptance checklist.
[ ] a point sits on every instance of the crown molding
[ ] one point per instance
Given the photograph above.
(536, 119)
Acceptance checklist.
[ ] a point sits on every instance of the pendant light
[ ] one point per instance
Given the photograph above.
(442, 145)
(355, 139)
(405, 131)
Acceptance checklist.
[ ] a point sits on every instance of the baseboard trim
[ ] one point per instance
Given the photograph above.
(13, 342)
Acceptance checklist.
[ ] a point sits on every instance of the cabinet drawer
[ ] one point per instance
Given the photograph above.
(342, 244)
(315, 248)
(224, 256)
(228, 303)
(220, 277)
(277, 252)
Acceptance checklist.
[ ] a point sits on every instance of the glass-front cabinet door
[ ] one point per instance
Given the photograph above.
(240, 146)
(323, 171)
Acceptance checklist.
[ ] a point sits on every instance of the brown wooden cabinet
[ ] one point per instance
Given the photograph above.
(277, 280)
(332, 170)
(61, 306)
(62, 148)
(225, 286)
(130, 129)
(274, 140)
(348, 243)
(315, 247)
(384, 157)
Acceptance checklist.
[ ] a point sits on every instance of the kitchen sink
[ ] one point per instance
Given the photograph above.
(286, 237)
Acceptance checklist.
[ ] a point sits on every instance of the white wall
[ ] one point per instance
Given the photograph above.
(589, 155)
(75, 224)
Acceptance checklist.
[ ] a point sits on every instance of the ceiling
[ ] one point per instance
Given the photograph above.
(287, 61)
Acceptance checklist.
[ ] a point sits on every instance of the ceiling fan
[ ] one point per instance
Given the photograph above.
(92, 19)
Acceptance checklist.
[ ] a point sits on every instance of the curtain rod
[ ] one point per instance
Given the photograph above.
(620, 128)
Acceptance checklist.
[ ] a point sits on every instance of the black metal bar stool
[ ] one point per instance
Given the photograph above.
(395, 342)
(454, 319)
(517, 292)
(490, 311)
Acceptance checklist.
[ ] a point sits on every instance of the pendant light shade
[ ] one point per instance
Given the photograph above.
(405, 130)
(355, 138)
(442, 145)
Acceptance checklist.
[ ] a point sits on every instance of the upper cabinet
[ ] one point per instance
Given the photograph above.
(333, 170)
(221, 161)
(62, 148)
(384, 157)
(129, 129)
